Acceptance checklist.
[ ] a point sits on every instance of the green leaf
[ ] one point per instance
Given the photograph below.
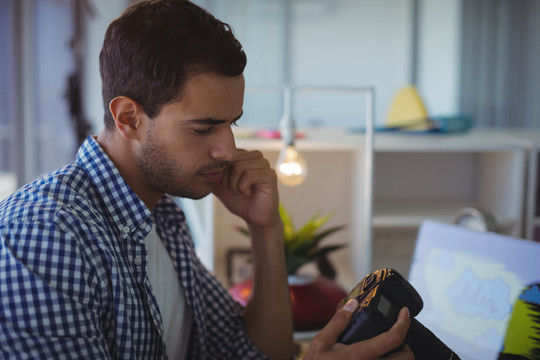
(325, 250)
(295, 262)
(288, 226)
(302, 246)
(308, 230)
(318, 237)
(242, 230)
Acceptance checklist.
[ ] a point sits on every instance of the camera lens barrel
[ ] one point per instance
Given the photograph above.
(425, 345)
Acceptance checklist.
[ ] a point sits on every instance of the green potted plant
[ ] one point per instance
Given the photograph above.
(314, 299)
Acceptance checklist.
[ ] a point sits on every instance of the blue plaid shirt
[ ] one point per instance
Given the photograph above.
(73, 278)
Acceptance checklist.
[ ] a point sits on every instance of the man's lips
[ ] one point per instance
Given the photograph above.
(213, 176)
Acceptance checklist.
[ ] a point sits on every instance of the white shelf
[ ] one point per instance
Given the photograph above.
(416, 177)
(404, 214)
(396, 214)
(313, 140)
(473, 141)
(341, 139)
(335, 183)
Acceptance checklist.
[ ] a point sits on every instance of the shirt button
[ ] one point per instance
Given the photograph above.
(126, 229)
(137, 260)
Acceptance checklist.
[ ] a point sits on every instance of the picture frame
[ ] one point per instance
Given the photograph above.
(239, 265)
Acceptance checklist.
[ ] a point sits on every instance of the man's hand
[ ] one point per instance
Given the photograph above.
(324, 345)
(248, 189)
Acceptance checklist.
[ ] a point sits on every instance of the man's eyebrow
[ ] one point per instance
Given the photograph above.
(212, 121)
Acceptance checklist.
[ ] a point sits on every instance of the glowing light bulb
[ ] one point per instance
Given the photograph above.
(291, 167)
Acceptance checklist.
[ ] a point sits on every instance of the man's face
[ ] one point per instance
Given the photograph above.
(190, 142)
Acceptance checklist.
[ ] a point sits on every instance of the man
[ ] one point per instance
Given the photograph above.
(97, 260)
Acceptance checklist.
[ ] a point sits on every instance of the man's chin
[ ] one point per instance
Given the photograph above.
(197, 197)
(194, 194)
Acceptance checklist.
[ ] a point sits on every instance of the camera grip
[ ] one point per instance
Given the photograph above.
(425, 345)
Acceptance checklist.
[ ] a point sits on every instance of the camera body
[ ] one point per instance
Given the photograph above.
(381, 295)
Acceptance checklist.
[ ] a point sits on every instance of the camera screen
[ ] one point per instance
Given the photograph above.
(384, 306)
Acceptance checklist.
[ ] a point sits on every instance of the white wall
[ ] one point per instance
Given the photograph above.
(439, 55)
(105, 12)
(334, 43)
(353, 43)
(348, 43)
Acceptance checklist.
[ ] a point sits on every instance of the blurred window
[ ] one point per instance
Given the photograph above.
(36, 135)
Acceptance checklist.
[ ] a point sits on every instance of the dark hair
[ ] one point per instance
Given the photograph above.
(155, 45)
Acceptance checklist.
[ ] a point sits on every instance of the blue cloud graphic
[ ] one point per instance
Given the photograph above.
(531, 295)
(472, 296)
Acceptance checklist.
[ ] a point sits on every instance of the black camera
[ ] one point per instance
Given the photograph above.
(381, 295)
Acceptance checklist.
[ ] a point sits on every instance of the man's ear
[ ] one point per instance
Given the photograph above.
(127, 114)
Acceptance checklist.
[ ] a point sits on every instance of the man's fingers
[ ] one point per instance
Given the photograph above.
(241, 176)
(248, 168)
(256, 177)
(389, 340)
(330, 333)
(324, 343)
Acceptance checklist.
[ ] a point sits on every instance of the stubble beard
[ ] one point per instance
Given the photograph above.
(164, 175)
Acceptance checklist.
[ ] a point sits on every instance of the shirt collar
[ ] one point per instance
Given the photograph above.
(127, 210)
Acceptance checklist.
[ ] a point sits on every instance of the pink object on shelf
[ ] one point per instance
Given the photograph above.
(275, 134)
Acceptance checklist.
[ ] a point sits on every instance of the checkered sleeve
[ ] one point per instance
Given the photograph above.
(48, 295)
(218, 327)
(226, 334)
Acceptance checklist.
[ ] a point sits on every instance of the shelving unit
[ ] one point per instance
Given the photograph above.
(531, 141)
(533, 201)
(434, 176)
(335, 183)
(532, 219)
(415, 177)
(420, 176)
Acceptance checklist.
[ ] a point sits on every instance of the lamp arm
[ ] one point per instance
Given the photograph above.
(287, 125)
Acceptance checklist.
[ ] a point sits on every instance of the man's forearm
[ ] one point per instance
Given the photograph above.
(268, 316)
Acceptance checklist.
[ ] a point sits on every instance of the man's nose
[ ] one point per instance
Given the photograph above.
(225, 147)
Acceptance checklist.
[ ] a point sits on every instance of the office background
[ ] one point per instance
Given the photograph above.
(476, 57)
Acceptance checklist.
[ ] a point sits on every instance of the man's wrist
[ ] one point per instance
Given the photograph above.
(274, 230)
(266, 240)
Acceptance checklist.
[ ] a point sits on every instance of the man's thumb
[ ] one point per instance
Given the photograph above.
(339, 322)
(350, 306)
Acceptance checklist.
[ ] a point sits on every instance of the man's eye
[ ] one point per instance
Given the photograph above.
(203, 131)
(235, 122)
